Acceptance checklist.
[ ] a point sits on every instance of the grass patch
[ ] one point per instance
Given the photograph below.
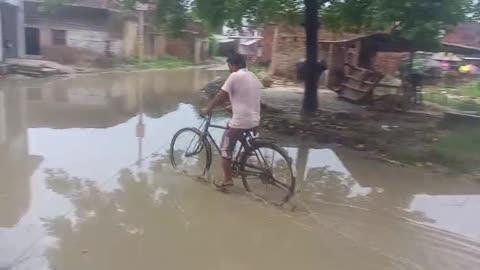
(167, 62)
(459, 149)
(471, 90)
(465, 97)
(458, 104)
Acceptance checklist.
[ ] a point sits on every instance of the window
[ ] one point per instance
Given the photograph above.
(59, 37)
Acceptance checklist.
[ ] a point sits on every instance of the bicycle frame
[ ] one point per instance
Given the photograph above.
(246, 157)
(245, 146)
(207, 135)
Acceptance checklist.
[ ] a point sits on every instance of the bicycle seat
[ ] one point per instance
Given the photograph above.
(253, 131)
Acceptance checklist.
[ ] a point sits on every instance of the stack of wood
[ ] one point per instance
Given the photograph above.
(359, 84)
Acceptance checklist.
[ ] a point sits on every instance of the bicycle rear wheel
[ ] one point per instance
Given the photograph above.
(190, 152)
(267, 172)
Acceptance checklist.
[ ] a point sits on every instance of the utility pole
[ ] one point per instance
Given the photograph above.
(310, 102)
(141, 8)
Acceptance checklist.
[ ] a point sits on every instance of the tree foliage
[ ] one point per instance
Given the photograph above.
(237, 13)
(172, 15)
(476, 11)
(421, 21)
(50, 6)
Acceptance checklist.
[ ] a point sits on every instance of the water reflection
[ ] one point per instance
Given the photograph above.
(86, 126)
(322, 171)
(152, 220)
(111, 99)
(73, 172)
(346, 178)
(16, 162)
(448, 212)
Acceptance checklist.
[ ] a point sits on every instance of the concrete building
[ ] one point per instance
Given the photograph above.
(77, 31)
(80, 31)
(85, 31)
(11, 29)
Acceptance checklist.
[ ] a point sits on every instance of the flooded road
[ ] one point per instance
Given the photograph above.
(85, 183)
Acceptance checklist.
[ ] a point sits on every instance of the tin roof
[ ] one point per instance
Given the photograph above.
(465, 35)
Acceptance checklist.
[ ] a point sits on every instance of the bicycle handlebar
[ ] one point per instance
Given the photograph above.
(209, 115)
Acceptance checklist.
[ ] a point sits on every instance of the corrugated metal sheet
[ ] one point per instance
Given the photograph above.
(466, 35)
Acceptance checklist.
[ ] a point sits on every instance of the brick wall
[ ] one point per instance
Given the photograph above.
(267, 43)
(181, 47)
(291, 50)
(291, 47)
(389, 63)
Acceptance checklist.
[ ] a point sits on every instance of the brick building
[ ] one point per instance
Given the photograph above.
(192, 44)
(284, 47)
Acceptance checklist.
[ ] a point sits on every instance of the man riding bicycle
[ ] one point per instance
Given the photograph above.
(242, 88)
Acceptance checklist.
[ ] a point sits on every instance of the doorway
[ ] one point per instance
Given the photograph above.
(32, 41)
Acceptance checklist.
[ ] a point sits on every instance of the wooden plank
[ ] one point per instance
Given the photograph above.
(351, 87)
(352, 95)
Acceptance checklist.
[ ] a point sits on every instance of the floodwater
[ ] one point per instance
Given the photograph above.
(85, 183)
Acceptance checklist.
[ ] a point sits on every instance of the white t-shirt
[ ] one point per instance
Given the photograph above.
(244, 88)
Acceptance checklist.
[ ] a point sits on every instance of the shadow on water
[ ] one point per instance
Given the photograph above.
(85, 184)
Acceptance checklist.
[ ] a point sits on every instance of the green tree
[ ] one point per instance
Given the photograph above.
(421, 21)
(476, 11)
(50, 6)
(236, 13)
(172, 15)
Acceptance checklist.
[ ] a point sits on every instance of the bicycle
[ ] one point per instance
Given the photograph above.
(266, 174)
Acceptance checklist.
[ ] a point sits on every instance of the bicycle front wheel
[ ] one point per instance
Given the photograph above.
(190, 152)
(267, 172)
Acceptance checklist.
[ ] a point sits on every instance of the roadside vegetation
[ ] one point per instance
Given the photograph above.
(459, 149)
(463, 97)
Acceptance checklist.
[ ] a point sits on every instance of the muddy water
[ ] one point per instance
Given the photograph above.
(85, 184)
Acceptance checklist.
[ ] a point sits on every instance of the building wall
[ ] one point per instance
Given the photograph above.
(388, 62)
(94, 41)
(181, 47)
(160, 46)
(268, 36)
(87, 29)
(130, 39)
(9, 29)
(1, 35)
(289, 51)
